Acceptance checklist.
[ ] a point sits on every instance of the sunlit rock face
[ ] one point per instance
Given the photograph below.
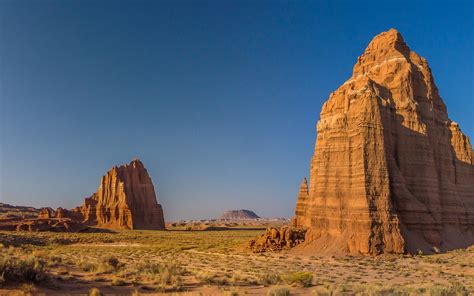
(125, 199)
(390, 173)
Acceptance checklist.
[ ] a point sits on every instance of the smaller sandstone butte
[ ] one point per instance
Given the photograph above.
(125, 199)
(239, 215)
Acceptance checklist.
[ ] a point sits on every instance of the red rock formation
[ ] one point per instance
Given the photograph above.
(46, 213)
(391, 173)
(43, 224)
(125, 200)
(302, 204)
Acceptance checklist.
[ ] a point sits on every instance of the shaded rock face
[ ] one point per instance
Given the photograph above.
(390, 173)
(275, 239)
(239, 215)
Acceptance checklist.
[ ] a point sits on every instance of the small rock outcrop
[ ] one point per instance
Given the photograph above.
(43, 224)
(390, 173)
(275, 240)
(46, 213)
(239, 215)
(8, 211)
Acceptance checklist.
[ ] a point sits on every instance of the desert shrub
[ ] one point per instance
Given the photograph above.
(170, 275)
(231, 293)
(87, 266)
(112, 261)
(95, 292)
(118, 282)
(212, 278)
(165, 275)
(303, 278)
(206, 277)
(149, 268)
(21, 270)
(54, 261)
(268, 279)
(278, 291)
(110, 264)
(454, 289)
(380, 291)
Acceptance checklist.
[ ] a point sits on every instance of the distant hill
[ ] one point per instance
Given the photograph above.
(9, 211)
(239, 215)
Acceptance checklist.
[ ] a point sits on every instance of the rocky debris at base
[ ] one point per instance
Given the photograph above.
(275, 240)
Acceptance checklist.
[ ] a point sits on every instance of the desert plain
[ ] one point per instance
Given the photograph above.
(184, 262)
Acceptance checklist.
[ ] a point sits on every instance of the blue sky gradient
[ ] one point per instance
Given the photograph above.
(218, 98)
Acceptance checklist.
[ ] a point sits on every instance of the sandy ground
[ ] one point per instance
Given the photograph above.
(217, 263)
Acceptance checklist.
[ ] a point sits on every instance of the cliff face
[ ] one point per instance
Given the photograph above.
(391, 173)
(125, 199)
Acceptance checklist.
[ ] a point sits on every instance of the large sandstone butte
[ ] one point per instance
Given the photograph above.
(125, 199)
(391, 173)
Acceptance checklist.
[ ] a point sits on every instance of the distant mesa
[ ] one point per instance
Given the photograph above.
(390, 173)
(125, 199)
(239, 215)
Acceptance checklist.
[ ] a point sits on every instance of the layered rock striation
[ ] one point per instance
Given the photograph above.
(390, 173)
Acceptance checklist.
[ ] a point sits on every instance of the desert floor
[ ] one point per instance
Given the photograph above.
(214, 263)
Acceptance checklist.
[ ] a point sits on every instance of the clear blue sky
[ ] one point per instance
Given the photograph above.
(219, 99)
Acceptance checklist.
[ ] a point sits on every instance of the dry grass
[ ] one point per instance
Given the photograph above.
(180, 261)
(16, 269)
